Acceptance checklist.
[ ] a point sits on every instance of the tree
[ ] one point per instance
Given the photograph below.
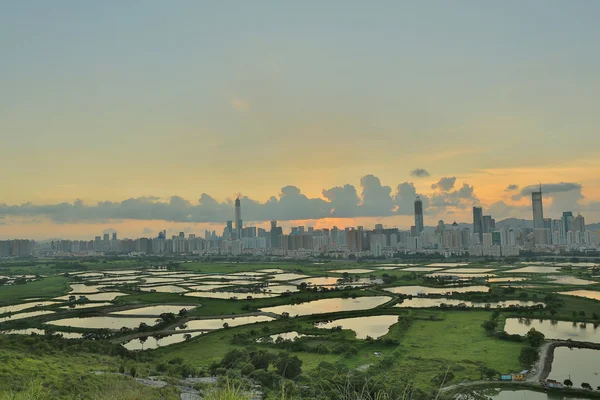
(535, 338)
(586, 385)
(528, 356)
(225, 325)
(183, 312)
(568, 382)
(132, 372)
(490, 325)
(582, 313)
(143, 340)
(187, 337)
(288, 366)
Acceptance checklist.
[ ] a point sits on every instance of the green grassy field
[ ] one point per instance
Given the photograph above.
(45, 287)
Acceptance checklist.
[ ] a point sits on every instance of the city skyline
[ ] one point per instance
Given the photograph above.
(270, 96)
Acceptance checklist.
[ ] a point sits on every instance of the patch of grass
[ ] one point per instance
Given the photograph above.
(45, 287)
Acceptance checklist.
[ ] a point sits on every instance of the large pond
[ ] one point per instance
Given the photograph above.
(535, 270)
(579, 365)
(152, 342)
(288, 277)
(163, 289)
(210, 324)
(232, 295)
(465, 271)
(26, 315)
(104, 296)
(281, 288)
(374, 326)
(66, 335)
(79, 306)
(81, 288)
(161, 280)
(570, 280)
(336, 281)
(206, 288)
(421, 269)
(590, 294)
(498, 394)
(416, 290)
(463, 276)
(506, 279)
(562, 330)
(114, 323)
(24, 306)
(329, 305)
(155, 310)
(351, 271)
(271, 270)
(420, 302)
(447, 265)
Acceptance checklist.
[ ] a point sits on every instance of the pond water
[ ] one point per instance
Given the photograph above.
(155, 310)
(210, 324)
(351, 271)
(66, 335)
(460, 276)
(288, 277)
(122, 271)
(374, 326)
(526, 395)
(118, 279)
(81, 288)
(579, 365)
(26, 315)
(88, 274)
(384, 267)
(293, 335)
(219, 277)
(24, 306)
(562, 330)
(507, 279)
(570, 280)
(420, 302)
(163, 289)
(535, 270)
(153, 343)
(102, 296)
(206, 288)
(114, 323)
(466, 271)
(590, 294)
(79, 306)
(230, 295)
(421, 269)
(333, 281)
(415, 290)
(329, 305)
(248, 274)
(271, 270)
(281, 289)
(161, 280)
(447, 265)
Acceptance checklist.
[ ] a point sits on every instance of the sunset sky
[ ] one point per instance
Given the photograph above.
(115, 107)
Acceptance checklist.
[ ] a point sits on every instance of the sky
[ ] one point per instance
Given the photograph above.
(141, 116)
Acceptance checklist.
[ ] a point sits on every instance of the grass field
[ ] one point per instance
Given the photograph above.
(45, 287)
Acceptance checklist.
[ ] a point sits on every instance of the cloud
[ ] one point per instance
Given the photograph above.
(147, 231)
(239, 104)
(419, 173)
(444, 184)
(371, 199)
(511, 187)
(547, 189)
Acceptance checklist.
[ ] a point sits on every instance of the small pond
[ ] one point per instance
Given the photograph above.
(78, 306)
(562, 330)
(374, 326)
(66, 335)
(25, 315)
(329, 305)
(535, 270)
(163, 289)
(210, 324)
(231, 295)
(114, 323)
(416, 290)
(590, 294)
(579, 365)
(24, 306)
(351, 271)
(152, 342)
(155, 310)
(420, 302)
(102, 296)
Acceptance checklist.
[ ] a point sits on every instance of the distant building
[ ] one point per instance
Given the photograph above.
(418, 216)
(478, 222)
(538, 210)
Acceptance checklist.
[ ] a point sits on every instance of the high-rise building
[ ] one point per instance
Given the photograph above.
(418, 216)
(489, 224)
(579, 223)
(538, 209)
(106, 237)
(567, 219)
(114, 236)
(478, 222)
(238, 218)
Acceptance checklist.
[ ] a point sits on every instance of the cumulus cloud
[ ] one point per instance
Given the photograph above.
(370, 199)
(419, 173)
(445, 184)
(512, 187)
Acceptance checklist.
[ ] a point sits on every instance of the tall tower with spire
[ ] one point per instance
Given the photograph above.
(538, 209)
(418, 216)
(238, 218)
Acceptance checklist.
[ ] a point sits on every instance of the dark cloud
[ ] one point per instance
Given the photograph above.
(371, 199)
(548, 188)
(419, 173)
(511, 187)
(445, 184)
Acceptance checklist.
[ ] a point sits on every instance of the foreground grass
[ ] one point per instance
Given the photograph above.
(45, 287)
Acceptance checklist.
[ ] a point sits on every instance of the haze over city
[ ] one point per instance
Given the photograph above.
(156, 117)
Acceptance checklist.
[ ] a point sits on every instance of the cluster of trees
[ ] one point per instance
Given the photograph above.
(260, 365)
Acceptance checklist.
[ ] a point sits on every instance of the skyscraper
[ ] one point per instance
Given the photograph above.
(567, 219)
(238, 218)
(478, 222)
(418, 216)
(538, 210)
